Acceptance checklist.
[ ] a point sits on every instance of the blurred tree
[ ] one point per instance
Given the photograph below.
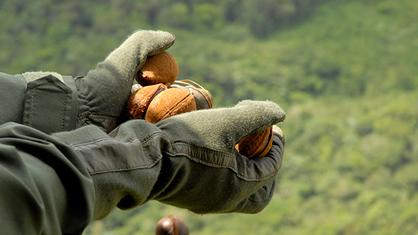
(176, 15)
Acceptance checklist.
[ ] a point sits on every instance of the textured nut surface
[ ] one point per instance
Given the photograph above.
(257, 144)
(170, 225)
(160, 68)
(139, 101)
(202, 96)
(169, 103)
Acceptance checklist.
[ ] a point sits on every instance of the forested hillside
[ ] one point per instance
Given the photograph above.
(344, 70)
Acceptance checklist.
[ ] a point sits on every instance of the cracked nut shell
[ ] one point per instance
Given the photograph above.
(139, 101)
(169, 103)
(202, 96)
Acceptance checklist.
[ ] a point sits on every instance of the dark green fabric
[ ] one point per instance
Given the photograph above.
(44, 102)
(124, 164)
(65, 180)
(40, 100)
(45, 187)
(50, 104)
(203, 155)
(12, 96)
(139, 161)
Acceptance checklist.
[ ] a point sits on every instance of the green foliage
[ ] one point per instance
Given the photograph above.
(345, 72)
(207, 17)
(176, 16)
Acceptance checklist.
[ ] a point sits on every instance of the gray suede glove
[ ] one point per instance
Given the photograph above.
(204, 173)
(105, 90)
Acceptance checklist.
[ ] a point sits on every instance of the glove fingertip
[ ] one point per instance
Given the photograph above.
(163, 41)
(276, 111)
(264, 110)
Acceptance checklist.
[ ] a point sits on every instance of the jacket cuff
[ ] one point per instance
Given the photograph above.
(124, 164)
(50, 102)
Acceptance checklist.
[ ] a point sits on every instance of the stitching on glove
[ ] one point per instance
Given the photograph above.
(196, 153)
(116, 170)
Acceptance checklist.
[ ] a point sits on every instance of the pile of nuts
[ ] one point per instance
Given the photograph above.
(161, 96)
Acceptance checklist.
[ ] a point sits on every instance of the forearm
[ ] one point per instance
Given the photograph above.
(46, 188)
(71, 178)
(139, 161)
(58, 184)
(124, 164)
(210, 181)
(12, 96)
(46, 101)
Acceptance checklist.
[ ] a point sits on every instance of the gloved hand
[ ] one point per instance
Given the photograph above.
(204, 173)
(188, 160)
(105, 90)
(56, 103)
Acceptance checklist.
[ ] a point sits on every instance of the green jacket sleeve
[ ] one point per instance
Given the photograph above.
(45, 186)
(12, 97)
(57, 184)
(139, 161)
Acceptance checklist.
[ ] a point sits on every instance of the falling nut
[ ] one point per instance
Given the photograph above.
(256, 145)
(139, 101)
(170, 225)
(160, 68)
(169, 103)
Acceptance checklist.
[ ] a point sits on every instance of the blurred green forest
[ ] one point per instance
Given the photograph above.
(346, 72)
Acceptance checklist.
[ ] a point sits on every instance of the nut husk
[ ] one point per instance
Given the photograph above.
(160, 68)
(169, 103)
(202, 96)
(139, 101)
(256, 145)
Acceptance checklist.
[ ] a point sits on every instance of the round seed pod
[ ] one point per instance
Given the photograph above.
(202, 96)
(169, 103)
(160, 68)
(170, 225)
(139, 101)
(256, 145)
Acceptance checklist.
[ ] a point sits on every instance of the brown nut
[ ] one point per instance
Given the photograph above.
(160, 68)
(169, 103)
(256, 145)
(139, 101)
(202, 96)
(170, 225)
